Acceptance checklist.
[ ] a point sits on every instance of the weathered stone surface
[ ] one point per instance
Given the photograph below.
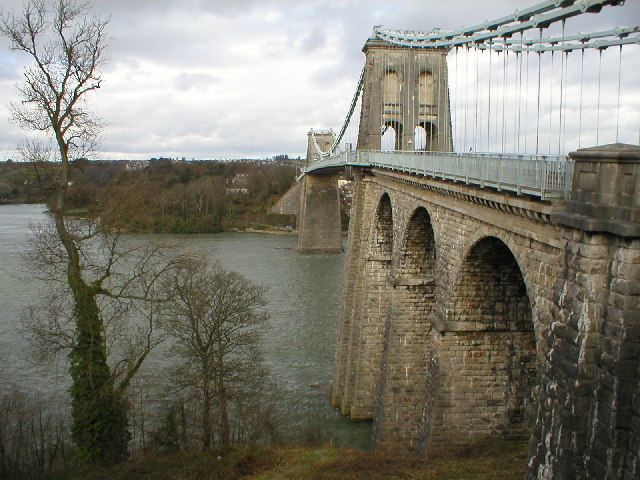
(457, 325)
(470, 312)
(318, 222)
(319, 226)
(605, 194)
(405, 88)
(289, 203)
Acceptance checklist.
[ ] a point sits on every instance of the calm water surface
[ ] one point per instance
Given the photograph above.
(304, 298)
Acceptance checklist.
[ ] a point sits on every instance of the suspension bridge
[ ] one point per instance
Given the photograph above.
(492, 276)
(504, 93)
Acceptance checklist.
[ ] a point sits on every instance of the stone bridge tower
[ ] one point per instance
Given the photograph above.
(324, 139)
(319, 223)
(405, 90)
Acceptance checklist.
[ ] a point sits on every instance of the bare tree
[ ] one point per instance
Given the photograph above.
(33, 435)
(129, 301)
(216, 319)
(100, 282)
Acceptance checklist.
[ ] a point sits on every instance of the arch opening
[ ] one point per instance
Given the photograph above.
(375, 303)
(391, 111)
(408, 374)
(426, 89)
(425, 134)
(391, 87)
(391, 136)
(491, 346)
(383, 234)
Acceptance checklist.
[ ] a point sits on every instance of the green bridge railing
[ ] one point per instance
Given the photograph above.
(544, 176)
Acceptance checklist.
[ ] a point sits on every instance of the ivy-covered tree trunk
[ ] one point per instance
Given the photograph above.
(66, 43)
(99, 413)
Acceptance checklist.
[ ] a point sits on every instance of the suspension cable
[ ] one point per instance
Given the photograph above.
(551, 84)
(489, 104)
(538, 110)
(526, 106)
(539, 16)
(598, 114)
(562, 83)
(504, 94)
(581, 89)
(474, 142)
(338, 139)
(618, 107)
(466, 95)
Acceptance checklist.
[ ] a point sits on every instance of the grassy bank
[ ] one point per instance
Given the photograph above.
(494, 460)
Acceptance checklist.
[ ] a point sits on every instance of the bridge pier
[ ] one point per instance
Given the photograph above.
(319, 224)
(588, 423)
(409, 343)
(470, 312)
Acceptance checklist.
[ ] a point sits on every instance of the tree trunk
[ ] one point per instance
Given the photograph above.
(206, 415)
(225, 431)
(99, 427)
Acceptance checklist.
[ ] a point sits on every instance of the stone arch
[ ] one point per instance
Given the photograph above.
(382, 243)
(408, 370)
(377, 268)
(527, 271)
(417, 254)
(489, 346)
(496, 294)
(391, 110)
(485, 232)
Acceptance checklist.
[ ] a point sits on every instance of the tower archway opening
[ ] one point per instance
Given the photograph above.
(425, 134)
(391, 136)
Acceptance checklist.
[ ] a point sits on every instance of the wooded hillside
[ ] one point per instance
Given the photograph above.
(162, 195)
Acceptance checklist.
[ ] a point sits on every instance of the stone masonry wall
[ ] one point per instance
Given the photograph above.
(289, 203)
(319, 226)
(411, 392)
(375, 310)
(407, 337)
(485, 388)
(592, 365)
(463, 353)
(348, 335)
(632, 461)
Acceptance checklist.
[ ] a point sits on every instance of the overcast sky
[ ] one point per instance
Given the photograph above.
(245, 78)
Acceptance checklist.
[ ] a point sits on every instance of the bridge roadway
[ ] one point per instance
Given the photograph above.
(543, 176)
(471, 312)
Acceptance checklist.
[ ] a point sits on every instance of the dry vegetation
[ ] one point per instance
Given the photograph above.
(494, 460)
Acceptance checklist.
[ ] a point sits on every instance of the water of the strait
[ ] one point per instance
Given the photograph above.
(304, 299)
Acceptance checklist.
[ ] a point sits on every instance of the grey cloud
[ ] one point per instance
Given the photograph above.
(198, 81)
(254, 75)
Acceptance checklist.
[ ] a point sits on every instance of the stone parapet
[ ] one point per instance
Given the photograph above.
(605, 195)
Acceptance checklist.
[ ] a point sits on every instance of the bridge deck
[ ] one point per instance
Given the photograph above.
(544, 176)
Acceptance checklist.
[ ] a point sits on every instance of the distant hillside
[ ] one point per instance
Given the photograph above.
(162, 195)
